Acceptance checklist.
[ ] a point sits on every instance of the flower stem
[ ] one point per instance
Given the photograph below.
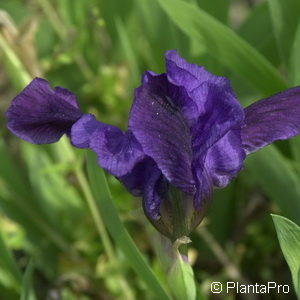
(179, 217)
(102, 231)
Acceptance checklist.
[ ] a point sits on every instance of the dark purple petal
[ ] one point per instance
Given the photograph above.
(219, 111)
(41, 115)
(162, 131)
(204, 186)
(137, 179)
(148, 74)
(225, 159)
(117, 152)
(180, 72)
(83, 130)
(271, 119)
(153, 193)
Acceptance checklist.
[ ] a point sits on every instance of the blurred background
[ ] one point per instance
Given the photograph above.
(98, 49)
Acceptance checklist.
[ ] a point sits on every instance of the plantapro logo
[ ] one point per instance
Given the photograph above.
(236, 287)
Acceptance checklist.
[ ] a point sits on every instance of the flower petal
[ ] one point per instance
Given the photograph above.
(117, 152)
(204, 187)
(153, 194)
(190, 76)
(41, 115)
(137, 179)
(219, 111)
(83, 129)
(271, 119)
(161, 129)
(225, 159)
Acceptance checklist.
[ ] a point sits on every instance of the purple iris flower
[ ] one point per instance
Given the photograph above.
(186, 132)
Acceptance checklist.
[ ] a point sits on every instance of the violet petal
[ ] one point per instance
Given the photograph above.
(271, 119)
(162, 131)
(40, 114)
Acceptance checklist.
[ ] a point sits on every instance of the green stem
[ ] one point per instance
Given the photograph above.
(102, 230)
(179, 218)
(19, 71)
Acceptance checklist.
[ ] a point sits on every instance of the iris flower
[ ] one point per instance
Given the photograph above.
(187, 134)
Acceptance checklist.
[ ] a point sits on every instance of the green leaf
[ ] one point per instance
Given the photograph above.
(285, 19)
(181, 277)
(277, 178)
(27, 290)
(225, 45)
(257, 30)
(117, 230)
(288, 234)
(128, 50)
(295, 58)
(20, 202)
(8, 268)
(217, 8)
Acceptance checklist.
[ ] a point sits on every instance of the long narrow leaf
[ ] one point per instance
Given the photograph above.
(278, 179)
(117, 230)
(285, 18)
(9, 266)
(289, 238)
(225, 45)
(295, 58)
(27, 290)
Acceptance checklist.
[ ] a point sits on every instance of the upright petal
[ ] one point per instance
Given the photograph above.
(204, 187)
(41, 115)
(271, 119)
(219, 112)
(161, 129)
(190, 76)
(225, 159)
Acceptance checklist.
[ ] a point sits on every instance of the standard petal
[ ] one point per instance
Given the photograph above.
(41, 115)
(271, 119)
(190, 76)
(161, 129)
(204, 187)
(148, 74)
(218, 114)
(225, 159)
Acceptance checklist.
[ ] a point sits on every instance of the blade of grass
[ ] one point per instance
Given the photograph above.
(258, 32)
(21, 196)
(128, 51)
(288, 234)
(225, 45)
(20, 76)
(295, 58)
(217, 8)
(27, 290)
(277, 178)
(63, 33)
(295, 74)
(9, 266)
(285, 18)
(117, 230)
